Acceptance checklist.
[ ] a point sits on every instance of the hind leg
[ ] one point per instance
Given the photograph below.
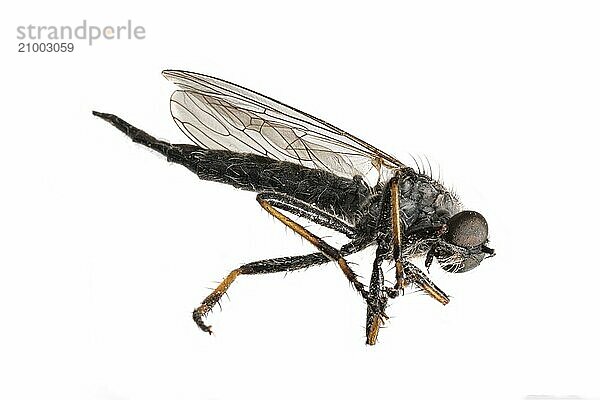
(329, 251)
(273, 265)
(282, 264)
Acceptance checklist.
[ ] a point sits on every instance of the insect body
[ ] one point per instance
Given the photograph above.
(302, 166)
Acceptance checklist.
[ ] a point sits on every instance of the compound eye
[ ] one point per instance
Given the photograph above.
(467, 229)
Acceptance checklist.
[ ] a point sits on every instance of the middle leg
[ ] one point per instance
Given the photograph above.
(378, 296)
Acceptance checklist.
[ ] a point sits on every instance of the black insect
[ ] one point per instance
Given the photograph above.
(303, 166)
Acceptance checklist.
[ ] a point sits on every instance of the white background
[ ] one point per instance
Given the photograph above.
(106, 248)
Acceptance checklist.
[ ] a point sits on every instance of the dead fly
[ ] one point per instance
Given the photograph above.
(306, 167)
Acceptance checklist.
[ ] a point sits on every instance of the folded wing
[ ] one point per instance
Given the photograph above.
(216, 114)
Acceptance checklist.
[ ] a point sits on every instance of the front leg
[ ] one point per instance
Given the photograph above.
(407, 273)
(419, 278)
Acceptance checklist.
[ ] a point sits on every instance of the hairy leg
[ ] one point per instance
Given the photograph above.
(377, 300)
(397, 231)
(287, 203)
(273, 265)
(330, 252)
(407, 273)
(281, 264)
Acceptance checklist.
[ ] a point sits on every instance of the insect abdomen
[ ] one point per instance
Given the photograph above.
(325, 190)
(329, 192)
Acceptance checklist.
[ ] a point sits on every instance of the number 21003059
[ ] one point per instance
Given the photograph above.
(43, 47)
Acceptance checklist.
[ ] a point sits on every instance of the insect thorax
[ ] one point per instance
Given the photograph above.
(424, 204)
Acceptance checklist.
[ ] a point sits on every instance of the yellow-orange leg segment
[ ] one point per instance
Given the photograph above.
(418, 277)
(270, 266)
(329, 251)
(212, 299)
(373, 330)
(281, 264)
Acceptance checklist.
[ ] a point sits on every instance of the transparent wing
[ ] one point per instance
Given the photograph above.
(216, 114)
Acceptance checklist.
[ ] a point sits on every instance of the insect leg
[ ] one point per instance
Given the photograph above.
(282, 264)
(329, 251)
(397, 231)
(259, 267)
(406, 272)
(377, 300)
(419, 278)
(287, 203)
